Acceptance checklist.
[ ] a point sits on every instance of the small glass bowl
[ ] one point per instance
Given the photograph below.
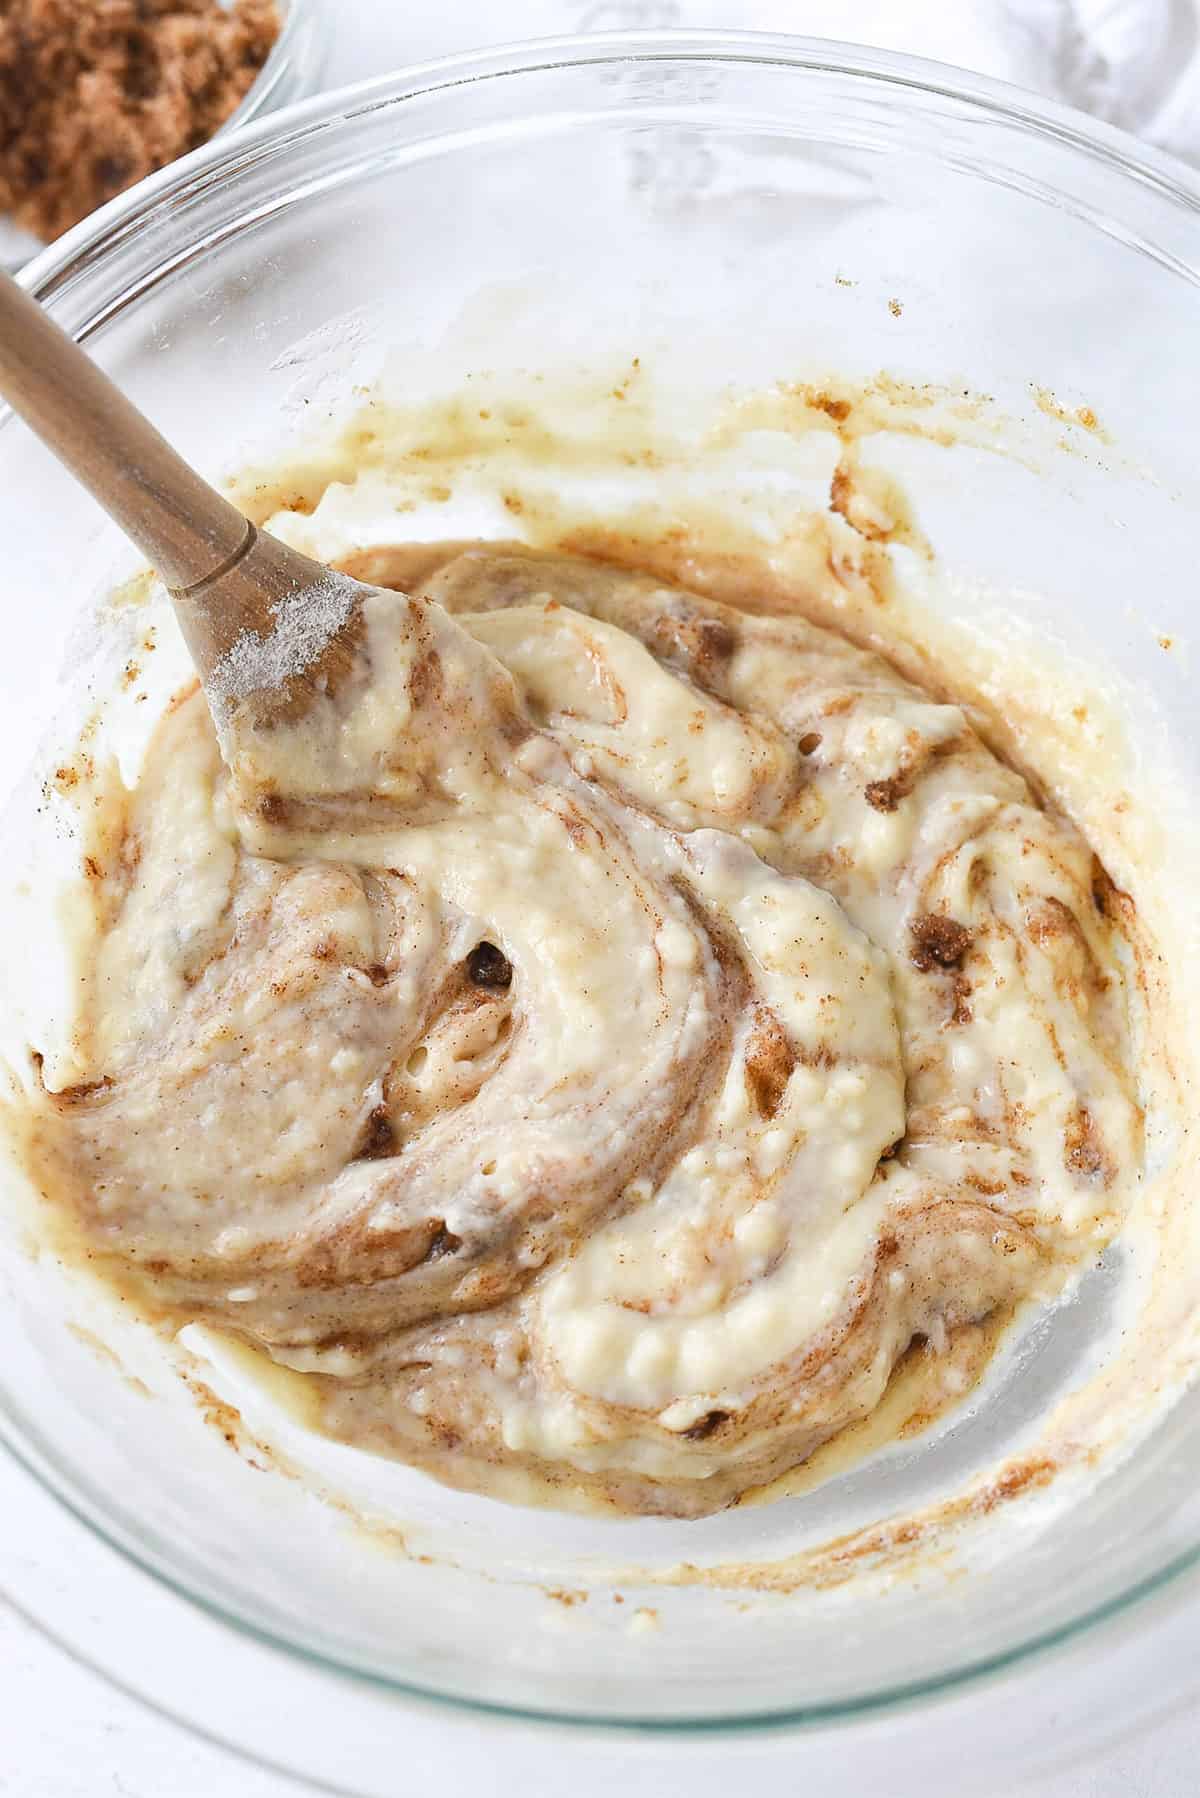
(293, 69)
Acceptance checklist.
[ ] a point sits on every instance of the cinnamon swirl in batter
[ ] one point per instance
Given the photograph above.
(599, 1041)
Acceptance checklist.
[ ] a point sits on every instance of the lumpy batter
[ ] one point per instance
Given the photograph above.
(598, 1041)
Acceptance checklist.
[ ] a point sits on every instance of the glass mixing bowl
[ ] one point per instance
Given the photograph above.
(742, 207)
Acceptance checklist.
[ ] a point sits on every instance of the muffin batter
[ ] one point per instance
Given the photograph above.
(598, 1041)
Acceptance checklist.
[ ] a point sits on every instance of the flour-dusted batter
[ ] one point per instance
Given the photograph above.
(599, 1040)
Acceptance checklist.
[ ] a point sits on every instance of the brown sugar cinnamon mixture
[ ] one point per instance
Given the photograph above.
(95, 94)
(572, 1078)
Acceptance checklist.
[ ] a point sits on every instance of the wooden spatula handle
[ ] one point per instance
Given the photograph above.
(225, 577)
(185, 528)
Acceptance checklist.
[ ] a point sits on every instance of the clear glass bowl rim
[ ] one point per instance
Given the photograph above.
(79, 251)
(301, 30)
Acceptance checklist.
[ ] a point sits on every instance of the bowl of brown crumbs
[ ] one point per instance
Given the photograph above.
(96, 94)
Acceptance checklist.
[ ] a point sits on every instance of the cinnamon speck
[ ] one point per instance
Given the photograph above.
(938, 940)
(704, 1426)
(379, 1136)
(885, 795)
(489, 967)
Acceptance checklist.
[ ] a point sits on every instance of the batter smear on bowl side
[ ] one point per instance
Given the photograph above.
(598, 1041)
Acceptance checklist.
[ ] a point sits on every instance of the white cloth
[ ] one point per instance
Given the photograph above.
(1135, 63)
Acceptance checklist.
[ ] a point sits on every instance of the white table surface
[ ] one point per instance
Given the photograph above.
(67, 1733)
